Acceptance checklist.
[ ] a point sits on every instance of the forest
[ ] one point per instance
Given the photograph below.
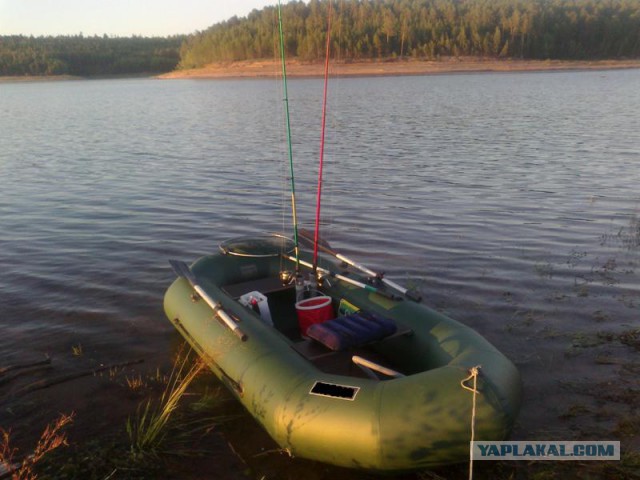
(87, 56)
(361, 30)
(383, 29)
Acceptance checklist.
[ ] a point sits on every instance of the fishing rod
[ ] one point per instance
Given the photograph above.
(296, 245)
(322, 135)
(324, 246)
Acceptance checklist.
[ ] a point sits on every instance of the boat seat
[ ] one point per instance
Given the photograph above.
(263, 285)
(354, 330)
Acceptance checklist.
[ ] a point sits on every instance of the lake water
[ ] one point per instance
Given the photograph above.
(512, 201)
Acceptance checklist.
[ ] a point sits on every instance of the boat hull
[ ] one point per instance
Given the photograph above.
(417, 421)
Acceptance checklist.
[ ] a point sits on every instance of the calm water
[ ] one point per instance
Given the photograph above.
(511, 200)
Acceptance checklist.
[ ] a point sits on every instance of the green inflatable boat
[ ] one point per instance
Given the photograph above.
(345, 371)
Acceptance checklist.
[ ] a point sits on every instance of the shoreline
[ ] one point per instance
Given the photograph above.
(65, 77)
(449, 65)
(256, 69)
(36, 78)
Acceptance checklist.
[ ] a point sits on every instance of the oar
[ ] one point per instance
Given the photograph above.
(351, 281)
(183, 270)
(324, 246)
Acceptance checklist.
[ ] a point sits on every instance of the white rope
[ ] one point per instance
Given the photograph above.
(473, 375)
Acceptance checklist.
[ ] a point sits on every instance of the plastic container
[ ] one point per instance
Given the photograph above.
(259, 303)
(313, 310)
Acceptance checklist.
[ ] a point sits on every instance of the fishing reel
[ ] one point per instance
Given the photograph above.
(287, 277)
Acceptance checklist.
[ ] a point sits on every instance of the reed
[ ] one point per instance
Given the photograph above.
(147, 430)
(172, 423)
(135, 384)
(52, 437)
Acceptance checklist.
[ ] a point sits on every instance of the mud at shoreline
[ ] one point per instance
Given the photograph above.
(597, 402)
(295, 68)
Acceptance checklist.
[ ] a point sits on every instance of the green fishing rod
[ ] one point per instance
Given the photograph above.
(286, 105)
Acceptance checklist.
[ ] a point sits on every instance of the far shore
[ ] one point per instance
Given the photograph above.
(296, 68)
(61, 78)
(299, 69)
(37, 78)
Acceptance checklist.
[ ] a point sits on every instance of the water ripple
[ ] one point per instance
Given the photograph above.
(507, 199)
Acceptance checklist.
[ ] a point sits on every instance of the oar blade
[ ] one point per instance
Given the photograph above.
(182, 270)
(413, 295)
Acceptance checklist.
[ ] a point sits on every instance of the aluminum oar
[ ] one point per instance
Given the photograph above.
(351, 281)
(183, 270)
(324, 246)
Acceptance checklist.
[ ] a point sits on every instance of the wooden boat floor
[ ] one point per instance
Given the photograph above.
(338, 363)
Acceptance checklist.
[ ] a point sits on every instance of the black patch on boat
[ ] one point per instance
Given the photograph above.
(334, 391)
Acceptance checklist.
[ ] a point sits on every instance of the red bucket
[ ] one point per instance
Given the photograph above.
(313, 310)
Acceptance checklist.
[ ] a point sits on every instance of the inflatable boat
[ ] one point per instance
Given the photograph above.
(343, 370)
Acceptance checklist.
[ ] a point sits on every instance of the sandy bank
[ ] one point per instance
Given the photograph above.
(37, 78)
(272, 68)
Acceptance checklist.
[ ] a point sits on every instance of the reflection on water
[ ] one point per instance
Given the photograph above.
(510, 200)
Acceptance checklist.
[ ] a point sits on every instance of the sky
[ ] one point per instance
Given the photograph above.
(119, 17)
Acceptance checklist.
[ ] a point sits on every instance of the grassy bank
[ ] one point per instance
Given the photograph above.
(177, 421)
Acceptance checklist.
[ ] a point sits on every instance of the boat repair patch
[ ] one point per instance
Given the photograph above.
(333, 390)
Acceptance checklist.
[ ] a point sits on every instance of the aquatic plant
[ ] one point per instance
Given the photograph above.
(148, 429)
(52, 437)
(135, 384)
(160, 428)
(209, 400)
(627, 236)
(632, 239)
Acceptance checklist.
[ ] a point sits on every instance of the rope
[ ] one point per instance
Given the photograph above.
(473, 375)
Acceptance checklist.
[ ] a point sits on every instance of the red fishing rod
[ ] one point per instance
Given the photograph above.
(324, 122)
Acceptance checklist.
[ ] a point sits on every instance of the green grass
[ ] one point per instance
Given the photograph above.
(52, 438)
(147, 430)
(174, 422)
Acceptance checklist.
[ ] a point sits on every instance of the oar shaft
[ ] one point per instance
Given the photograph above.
(348, 261)
(362, 268)
(183, 271)
(343, 278)
(368, 271)
(222, 315)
